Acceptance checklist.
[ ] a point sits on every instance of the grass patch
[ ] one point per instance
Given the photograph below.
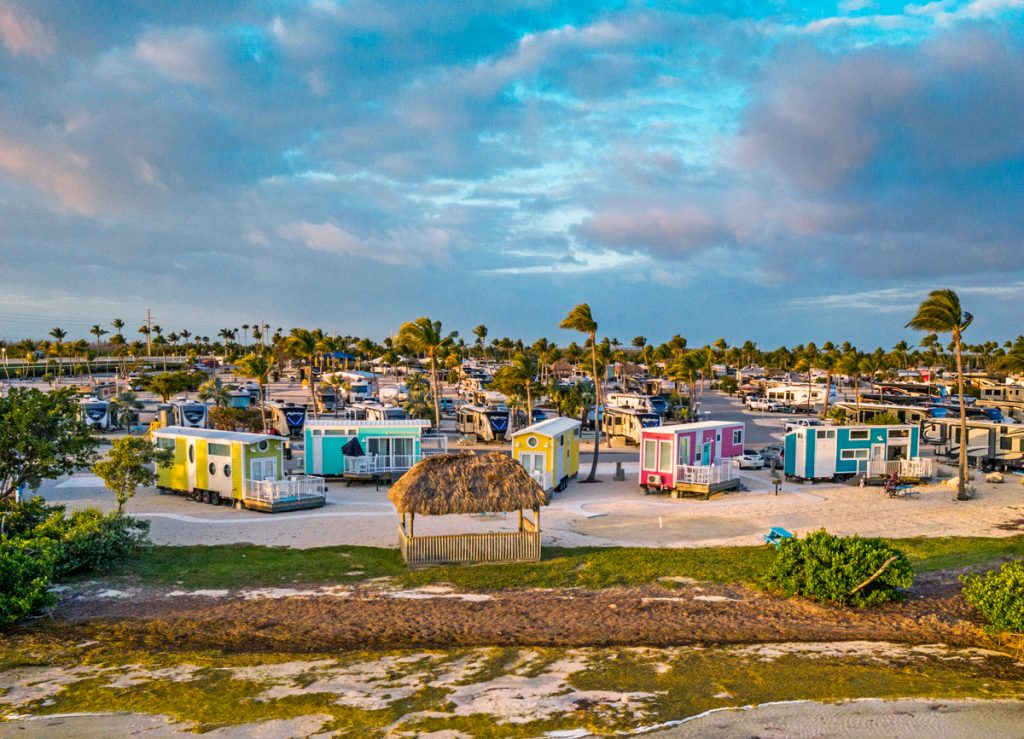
(244, 565)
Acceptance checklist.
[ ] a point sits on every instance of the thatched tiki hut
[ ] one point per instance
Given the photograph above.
(468, 483)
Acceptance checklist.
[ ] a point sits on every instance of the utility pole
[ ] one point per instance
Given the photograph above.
(149, 334)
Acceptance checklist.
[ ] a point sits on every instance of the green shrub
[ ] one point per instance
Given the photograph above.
(829, 568)
(26, 572)
(999, 595)
(91, 541)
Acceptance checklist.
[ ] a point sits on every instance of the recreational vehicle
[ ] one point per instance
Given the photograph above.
(691, 457)
(359, 386)
(243, 469)
(486, 424)
(98, 414)
(368, 449)
(836, 453)
(637, 401)
(627, 423)
(239, 399)
(990, 445)
(185, 413)
(549, 451)
(288, 418)
(378, 412)
(801, 394)
(867, 412)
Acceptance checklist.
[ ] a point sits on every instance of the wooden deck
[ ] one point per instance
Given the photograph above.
(511, 546)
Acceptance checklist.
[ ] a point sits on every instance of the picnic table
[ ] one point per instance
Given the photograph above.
(901, 490)
(776, 535)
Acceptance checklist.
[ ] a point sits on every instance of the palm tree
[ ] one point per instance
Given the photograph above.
(118, 325)
(213, 390)
(481, 333)
(424, 336)
(301, 343)
(523, 371)
(98, 331)
(941, 313)
(58, 334)
(258, 367)
(580, 319)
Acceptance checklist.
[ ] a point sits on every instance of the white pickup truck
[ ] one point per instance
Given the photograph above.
(763, 404)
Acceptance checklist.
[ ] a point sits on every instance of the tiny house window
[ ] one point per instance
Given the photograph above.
(213, 469)
(191, 453)
(848, 454)
(263, 445)
(532, 441)
(227, 470)
(859, 435)
(650, 454)
(664, 456)
(830, 434)
(219, 450)
(164, 443)
(737, 436)
(899, 433)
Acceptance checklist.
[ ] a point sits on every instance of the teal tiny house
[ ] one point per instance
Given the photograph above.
(840, 452)
(388, 447)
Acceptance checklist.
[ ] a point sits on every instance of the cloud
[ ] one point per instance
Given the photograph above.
(64, 175)
(183, 55)
(399, 247)
(23, 35)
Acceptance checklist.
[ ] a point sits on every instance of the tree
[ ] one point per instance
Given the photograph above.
(213, 391)
(302, 344)
(941, 313)
(128, 465)
(580, 319)
(98, 331)
(258, 367)
(42, 436)
(424, 336)
(166, 384)
(481, 333)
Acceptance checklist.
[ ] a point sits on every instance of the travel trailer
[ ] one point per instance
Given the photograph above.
(186, 413)
(549, 451)
(800, 394)
(242, 469)
(481, 422)
(691, 457)
(627, 423)
(98, 414)
(989, 445)
(637, 401)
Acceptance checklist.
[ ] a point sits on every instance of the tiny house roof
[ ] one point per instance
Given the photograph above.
(699, 426)
(550, 427)
(216, 434)
(333, 423)
(859, 427)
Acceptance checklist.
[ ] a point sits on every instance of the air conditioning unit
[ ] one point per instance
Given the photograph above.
(653, 479)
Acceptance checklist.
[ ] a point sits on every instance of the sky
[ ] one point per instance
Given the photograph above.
(768, 171)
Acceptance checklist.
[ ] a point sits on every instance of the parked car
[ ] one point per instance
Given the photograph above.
(772, 454)
(447, 405)
(763, 404)
(750, 460)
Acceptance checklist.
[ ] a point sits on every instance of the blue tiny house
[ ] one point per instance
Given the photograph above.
(839, 452)
(388, 448)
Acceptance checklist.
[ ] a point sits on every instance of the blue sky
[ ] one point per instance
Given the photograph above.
(777, 172)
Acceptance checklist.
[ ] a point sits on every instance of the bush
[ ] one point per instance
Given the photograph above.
(999, 595)
(26, 571)
(94, 541)
(829, 568)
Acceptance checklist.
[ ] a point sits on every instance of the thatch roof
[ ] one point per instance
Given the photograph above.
(466, 483)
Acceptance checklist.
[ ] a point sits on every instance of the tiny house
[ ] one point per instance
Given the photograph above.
(835, 453)
(691, 457)
(550, 451)
(243, 469)
(388, 448)
(627, 423)
(486, 424)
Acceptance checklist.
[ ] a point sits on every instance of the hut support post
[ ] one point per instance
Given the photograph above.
(536, 517)
(520, 519)
(412, 522)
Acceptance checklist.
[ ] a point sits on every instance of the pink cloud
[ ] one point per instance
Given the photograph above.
(24, 35)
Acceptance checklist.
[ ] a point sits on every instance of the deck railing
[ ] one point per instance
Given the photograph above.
(505, 546)
(372, 464)
(433, 444)
(919, 467)
(293, 487)
(710, 474)
(544, 479)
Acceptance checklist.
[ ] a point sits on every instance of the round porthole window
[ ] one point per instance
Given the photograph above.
(213, 469)
(532, 441)
(263, 445)
(227, 470)
(191, 453)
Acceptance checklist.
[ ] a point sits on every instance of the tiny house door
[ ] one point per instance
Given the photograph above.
(263, 469)
(533, 462)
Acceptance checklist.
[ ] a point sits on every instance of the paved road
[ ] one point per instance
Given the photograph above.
(762, 428)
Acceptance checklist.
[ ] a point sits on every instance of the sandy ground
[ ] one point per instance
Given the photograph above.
(602, 514)
(901, 719)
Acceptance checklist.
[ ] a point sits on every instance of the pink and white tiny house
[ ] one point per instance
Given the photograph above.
(691, 457)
